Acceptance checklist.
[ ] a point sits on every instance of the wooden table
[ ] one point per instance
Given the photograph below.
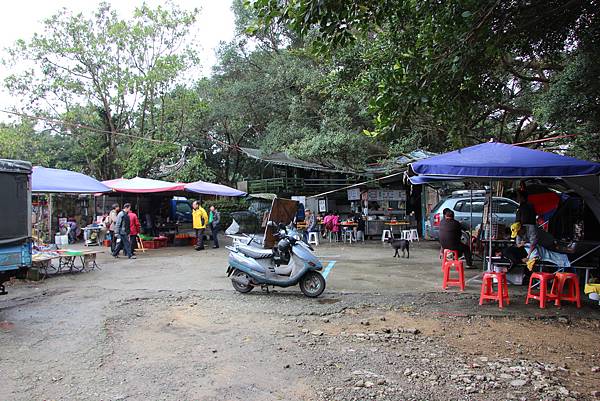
(350, 225)
(393, 224)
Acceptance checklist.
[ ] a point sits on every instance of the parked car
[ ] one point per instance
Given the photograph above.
(466, 208)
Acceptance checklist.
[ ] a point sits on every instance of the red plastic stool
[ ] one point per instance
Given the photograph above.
(487, 289)
(446, 254)
(457, 281)
(571, 280)
(543, 295)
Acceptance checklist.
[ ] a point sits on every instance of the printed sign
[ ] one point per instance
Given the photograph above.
(354, 194)
(386, 194)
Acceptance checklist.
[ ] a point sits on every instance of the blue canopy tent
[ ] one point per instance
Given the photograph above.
(497, 160)
(208, 188)
(493, 161)
(52, 181)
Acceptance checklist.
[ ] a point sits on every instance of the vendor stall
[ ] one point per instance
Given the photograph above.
(71, 186)
(493, 161)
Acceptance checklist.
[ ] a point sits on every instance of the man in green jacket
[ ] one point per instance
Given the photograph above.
(214, 220)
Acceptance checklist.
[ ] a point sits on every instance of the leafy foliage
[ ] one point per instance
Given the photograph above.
(447, 74)
(113, 69)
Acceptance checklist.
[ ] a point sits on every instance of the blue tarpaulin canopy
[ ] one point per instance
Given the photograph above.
(497, 160)
(208, 188)
(51, 180)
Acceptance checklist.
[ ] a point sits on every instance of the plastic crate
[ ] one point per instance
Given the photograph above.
(150, 244)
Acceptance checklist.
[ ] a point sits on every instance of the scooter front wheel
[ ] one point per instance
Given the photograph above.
(239, 280)
(312, 284)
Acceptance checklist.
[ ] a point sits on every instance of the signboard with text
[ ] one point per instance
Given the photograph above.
(354, 194)
(386, 195)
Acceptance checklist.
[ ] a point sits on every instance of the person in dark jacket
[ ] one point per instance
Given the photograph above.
(450, 235)
(214, 220)
(122, 232)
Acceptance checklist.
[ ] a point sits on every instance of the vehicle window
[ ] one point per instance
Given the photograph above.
(478, 206)
(461, 206)
(507, 207)
(438, 205)
(183, 208)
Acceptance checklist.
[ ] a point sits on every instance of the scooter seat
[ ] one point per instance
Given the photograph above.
(255, 253)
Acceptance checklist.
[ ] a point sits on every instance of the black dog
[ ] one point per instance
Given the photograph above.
(400, 244)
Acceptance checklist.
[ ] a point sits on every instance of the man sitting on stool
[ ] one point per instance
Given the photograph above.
(450, 235)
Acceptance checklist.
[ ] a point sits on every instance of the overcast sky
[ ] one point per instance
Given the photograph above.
(19, 19)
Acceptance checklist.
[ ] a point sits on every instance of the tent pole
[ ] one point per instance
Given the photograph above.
(49, 218)
(471, 221)
(490, 228)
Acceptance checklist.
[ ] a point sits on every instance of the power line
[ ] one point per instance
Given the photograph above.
(83, 126)
(101, 131)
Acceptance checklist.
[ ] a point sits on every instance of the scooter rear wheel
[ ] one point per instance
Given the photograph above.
(312, 284)
(239, 287)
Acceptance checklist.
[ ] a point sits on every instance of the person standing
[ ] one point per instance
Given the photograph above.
(199, 221)
(111, 220)
(450, 235)
(134, 230)
(122, 230)
(214, 220)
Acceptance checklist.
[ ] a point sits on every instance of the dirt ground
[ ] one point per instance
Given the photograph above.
(169, 326)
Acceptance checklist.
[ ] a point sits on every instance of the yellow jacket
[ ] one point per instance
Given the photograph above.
(199, 218)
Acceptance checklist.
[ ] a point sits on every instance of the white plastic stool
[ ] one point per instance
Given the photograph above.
(347, 234)
(386, 235)
(414, 235)
(313, 238)
(405, 235)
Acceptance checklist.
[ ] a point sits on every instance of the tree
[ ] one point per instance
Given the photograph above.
(119, 68)
(447, 74)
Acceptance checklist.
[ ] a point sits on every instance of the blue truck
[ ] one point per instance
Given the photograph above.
(15, 218)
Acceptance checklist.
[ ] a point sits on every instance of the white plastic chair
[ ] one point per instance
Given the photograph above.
(414, 235)
(386, 235)
(313, 238)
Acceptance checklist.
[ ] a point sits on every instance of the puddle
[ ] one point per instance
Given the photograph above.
(328, 301)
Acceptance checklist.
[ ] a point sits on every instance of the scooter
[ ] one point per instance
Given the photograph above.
(290, 262)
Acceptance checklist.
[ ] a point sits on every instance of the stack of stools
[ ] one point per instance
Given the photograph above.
(448, 265)
(570, 281)
(487, 289)
(542, 295)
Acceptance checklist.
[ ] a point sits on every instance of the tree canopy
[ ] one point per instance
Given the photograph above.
(342, 84)
(448, 74)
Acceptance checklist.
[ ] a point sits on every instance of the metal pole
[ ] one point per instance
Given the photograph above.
(490, 228)
(49, 218)
(471, 222)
